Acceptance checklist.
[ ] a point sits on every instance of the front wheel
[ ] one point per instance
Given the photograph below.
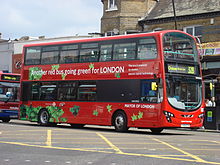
(156, 130)
(120, 122)
(43, 118)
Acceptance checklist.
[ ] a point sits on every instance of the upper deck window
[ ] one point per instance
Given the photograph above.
(124, 51)
(178, 46)
(105, 52)
(50, 55)
(32, 56)
(69, 54)
(89, 52)
(147, 49)
(140, 48)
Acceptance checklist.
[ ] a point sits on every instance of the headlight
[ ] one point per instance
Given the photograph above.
(201, 115)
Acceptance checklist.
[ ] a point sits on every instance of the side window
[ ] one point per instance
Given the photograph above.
(32, 56)
(105, 53)
(147, 49)
(50, 55)
(35, 91)
(87, 91)
(89, 52)
(124, 51)
(67, 91)
(69, 54)
(48, 91)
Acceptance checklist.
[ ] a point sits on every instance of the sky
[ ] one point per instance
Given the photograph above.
(49, 18)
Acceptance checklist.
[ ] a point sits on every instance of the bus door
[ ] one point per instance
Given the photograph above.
(151, 97)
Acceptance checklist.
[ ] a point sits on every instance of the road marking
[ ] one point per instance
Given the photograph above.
(216, 142)
(49, 137)
(110, 143)
(27, 160)
(109, 152)
(178, 149)
(210, 141)
(47, 161)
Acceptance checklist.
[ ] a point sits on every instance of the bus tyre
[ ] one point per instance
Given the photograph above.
(120, 122)
(77, 125)
(5, 120)
(43, 117)
(156, 130)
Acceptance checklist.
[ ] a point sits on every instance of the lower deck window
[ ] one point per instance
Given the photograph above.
(101, 90)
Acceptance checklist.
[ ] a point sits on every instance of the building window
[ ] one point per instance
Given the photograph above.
(194, 31)
(112, 5)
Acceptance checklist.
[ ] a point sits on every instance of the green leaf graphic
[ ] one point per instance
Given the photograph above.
(75, 110)
(140, 115)
(55, 113)
(91, 66)
(55, 67)
(63, 76)
(109, 108)
(134, 117)
(95, 113)
(137, 117)
(35, 73)
(63, 119)
(117, 75)
(31, 113)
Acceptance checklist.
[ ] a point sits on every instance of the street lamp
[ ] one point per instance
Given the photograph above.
(174, 13)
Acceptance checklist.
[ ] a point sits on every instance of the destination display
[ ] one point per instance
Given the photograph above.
(180, 68)
(10, 77)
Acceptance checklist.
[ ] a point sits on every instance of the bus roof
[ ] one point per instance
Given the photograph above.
(103, 38)
(1, 72)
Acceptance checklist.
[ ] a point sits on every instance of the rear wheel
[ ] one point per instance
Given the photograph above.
(43, 118)
(120, 122)
(156, 130)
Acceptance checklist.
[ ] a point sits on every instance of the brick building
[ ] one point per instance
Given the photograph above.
(121, 16)
(199, 18)
(196, 17)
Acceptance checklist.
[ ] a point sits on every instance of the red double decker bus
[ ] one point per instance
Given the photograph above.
(148, 80)
(9, 96)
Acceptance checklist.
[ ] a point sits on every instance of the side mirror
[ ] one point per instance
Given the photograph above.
(154, 86)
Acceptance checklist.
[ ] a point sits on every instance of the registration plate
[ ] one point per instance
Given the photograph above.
(185, 125)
